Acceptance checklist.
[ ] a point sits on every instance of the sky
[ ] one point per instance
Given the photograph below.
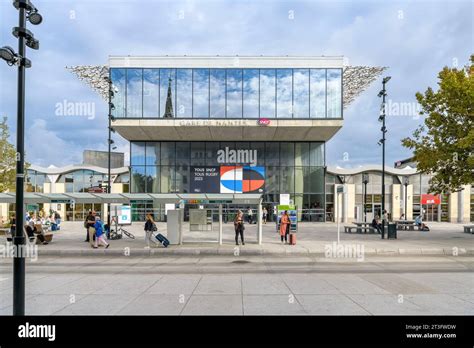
(414, 39)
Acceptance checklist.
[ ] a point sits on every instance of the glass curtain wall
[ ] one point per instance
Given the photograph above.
(228, 93)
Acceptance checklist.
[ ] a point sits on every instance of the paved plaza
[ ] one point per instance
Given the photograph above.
(223, 285)
(312, 238)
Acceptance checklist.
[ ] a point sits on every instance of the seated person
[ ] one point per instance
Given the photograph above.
(30, 231)
(376, 224)
(419, 222)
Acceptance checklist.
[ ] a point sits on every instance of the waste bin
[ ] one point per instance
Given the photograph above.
(392, 231)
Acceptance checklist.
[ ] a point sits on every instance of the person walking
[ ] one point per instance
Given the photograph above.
(150, 227)
(239, 227)
(284, 226)
(264, 215)
(250, 215)
(99, 234)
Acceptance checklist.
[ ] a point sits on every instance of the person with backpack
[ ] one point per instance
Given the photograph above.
(99, 234)
(239, 227)
(150, 227)
(89, 225)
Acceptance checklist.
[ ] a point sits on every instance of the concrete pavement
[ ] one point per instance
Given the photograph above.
(244, 285)
(312, 239)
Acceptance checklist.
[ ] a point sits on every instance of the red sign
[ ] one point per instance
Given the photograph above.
(430, 199)
(263, 121)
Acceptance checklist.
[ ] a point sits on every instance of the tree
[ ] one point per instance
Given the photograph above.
(444, 145)
(7, 159)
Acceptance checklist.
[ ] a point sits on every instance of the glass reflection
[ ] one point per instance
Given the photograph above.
(165, 76)
(200, 93)
(151, 89)
(134, 92)
(184, 90)
(301, 93)
(217, 93)
(284, 93)
(267, 93)
(251, 89)
(234, 93)
(118, 82)
(334, 93)
(318, 93)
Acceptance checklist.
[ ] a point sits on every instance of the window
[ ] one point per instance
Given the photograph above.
(301, 93)
(167, 80)
(251, 93)
(151, 88)
(284, 93)
(267, 93)
(217, 93)
(334, 93)
(138, 153)
(134, 92)
(118, 81)
(201, 93)
(318, 93)
(184, 93)
(234, 93)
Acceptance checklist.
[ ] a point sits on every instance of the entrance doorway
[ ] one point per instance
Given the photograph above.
(430, 212)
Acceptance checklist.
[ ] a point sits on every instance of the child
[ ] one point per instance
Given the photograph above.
(99, 233)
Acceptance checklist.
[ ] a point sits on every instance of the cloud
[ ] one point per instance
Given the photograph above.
(415, 43)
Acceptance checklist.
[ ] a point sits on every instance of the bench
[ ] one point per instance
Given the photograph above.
(369, 229)
(469, 229)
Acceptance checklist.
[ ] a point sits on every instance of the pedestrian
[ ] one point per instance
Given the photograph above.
(57, 218)
(99, 233)
(89, 224)
(264, 215)
(376, 224)
(249, 215)
(239, 227)
(31, 230)
(284, 226)
(150, 227)
(12, 228)
(385, 217)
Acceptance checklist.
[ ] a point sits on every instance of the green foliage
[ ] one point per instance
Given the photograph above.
(444, 145)
(7, 159)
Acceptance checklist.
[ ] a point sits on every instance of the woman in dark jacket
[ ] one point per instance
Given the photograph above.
(150, 227)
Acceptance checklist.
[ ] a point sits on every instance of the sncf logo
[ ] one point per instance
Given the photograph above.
(263, 121)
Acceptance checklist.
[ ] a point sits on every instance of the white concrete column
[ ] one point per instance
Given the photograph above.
(461, 206)
(396, 201)
(220, 224)
(409, 213)
(259, 227)
(345, 205)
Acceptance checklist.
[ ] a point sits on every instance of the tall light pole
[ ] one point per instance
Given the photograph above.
(365, 181)
(406, 182)
(26, 11)
(110, 142)
(383, 94)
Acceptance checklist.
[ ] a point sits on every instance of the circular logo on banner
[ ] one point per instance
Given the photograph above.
(263, 121)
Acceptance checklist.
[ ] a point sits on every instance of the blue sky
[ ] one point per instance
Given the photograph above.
(415, 39)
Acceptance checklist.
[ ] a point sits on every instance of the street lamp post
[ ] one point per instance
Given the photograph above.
(26, 11)
(406, 182)
(365, 181)
(383, 94)
(110, 142)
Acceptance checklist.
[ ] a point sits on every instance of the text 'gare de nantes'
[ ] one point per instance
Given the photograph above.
(230, 124)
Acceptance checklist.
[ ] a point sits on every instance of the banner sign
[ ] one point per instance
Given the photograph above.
(227, 179)
(430, 199)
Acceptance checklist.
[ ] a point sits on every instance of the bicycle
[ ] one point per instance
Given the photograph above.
(118, 234)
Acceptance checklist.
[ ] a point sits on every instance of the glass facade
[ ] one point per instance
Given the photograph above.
(34, 181)
(228, 93)
(82, 181)
(296, 168)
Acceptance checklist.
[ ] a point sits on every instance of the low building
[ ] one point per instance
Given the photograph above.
(406, 192)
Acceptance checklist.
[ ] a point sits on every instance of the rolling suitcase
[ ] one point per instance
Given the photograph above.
(163, 240)
(292, 239)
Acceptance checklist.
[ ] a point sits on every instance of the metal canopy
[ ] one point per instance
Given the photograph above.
(124, 198)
